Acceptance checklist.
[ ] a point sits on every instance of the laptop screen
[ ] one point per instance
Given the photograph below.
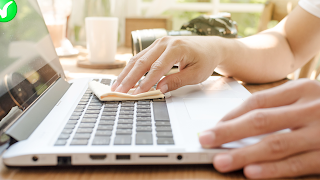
(28, 61)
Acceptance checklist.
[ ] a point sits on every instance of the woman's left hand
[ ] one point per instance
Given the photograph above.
(294, 105)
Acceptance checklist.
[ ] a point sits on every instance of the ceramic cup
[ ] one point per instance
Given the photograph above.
(102, 37)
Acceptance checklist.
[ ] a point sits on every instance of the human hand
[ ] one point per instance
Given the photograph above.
(294, 105)
(196, 56)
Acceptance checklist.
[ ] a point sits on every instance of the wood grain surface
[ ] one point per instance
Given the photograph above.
(144, 172)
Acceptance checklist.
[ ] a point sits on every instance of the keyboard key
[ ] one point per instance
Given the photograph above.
(110, 110)
(165, 141)
(144, 139)
(105, 127)
(143, 118)
(82, 136)
(103, 133)
(144, 123)
(72, 122)
(127, 108)
(83, 103)
(85, 99)
(106, 122)
(126, 112)
(64, 136)
(111, 102)
(108, 118)
(143, 114)
(79, 110)
(84, 130)
(159, 100)
(124, 131)
(160, 111)
(80, 106)
(69, 126)
(111, 105)
(143, 102)
(164, 134)
(143, 111)
(86, 125)
(74, 117)
(163, 128)
(144, 106)
(109, 113)
(100, 140)
(79, 142)
(89, 120)
(94, 107)
(144, 129)
(95, 104)
(125, 121)
(127, 105)
(122, 140)
(93, 112)
(163, 123)
(125, 116)
(91, 116)
(67, 131)
(60, 142)
(124, 126)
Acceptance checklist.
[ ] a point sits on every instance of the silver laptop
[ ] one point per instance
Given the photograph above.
(47, 121)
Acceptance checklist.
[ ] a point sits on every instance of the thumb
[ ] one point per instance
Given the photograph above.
(177, 80)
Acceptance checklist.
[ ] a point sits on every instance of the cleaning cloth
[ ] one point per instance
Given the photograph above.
(104, 93)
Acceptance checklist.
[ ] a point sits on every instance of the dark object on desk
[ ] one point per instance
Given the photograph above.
(217, 25)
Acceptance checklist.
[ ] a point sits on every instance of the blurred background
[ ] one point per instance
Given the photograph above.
(65, 19)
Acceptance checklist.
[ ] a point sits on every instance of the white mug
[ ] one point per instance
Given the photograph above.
(102, 37)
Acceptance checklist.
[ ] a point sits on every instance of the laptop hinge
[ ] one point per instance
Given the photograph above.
(30, 120)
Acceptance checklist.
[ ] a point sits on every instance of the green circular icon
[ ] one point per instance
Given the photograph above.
(8, 10)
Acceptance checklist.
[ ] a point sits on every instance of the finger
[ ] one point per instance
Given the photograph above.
(259, 121)
(279, 96)
(301, 164)
(141, 66)
(130, 65)
(274, 147)
(159, 68)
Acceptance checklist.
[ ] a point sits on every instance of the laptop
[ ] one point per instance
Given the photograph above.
(47, 121)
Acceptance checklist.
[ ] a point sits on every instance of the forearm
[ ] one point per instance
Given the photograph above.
(261, 58)
(272, 54)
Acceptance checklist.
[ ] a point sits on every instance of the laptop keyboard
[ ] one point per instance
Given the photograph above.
(98, 123)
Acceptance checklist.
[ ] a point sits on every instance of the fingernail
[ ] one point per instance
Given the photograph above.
(137, 91)
(119, 88)
(253, 171)
(164, 88)
(206, 138)
(223, 161)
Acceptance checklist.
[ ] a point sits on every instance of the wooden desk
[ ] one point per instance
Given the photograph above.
(145, 172)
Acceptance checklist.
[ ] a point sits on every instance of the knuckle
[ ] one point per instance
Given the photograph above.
(176, 82)
(295, 165)
(277, 144)
(141, 61)
(177, 42)
(260, 120)
(157, 65)
(164, 39)
(273, 169)
(258, 100)
(133, 60)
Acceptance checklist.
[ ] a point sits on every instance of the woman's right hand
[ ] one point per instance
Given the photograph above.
(196, 56)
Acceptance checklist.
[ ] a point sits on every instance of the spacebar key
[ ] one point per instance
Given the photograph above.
(160, 111)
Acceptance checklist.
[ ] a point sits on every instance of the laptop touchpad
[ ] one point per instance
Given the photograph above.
(212, 109)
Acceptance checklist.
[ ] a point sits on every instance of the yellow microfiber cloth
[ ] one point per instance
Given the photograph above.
(104, 93)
